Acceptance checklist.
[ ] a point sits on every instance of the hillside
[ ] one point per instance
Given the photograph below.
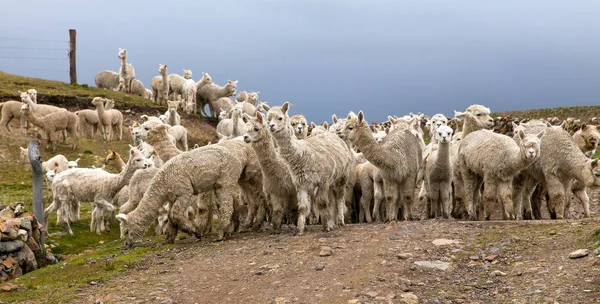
(581, 112)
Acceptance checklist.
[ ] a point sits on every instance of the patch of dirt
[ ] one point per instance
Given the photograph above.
(495, 262)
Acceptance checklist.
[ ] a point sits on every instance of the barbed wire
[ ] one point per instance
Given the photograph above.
(36, 58)
(37, 40)
(32, 48)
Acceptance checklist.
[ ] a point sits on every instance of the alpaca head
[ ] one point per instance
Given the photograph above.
(163, 118)
(189, 107)
(162, 69)
(137, 159)
(594, 167)
(111, 157)
(299, 125)
(223, 114)
(159, 133)
(589, 137)
(25, 98)
(262, 106)
(98, 101)
(255, 128)
(278, 119)
(438, 120)
(231, 87)
(73, 164)
(32, 94)
(172, 105)
(187, 74)
(444, 134)
(253, 97)
(147, 126)
(25, 109)
(238, 109)
(530, 144)
(50, 174)
(480, 115)
(379, 136)
(352, 125)
(122, 53)
(206, 79)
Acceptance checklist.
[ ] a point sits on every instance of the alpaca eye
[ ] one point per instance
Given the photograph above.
(256, 129)
(280, 118)
(350, 127)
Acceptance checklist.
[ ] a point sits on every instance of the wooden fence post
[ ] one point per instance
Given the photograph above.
(72, 55)
(35, 159)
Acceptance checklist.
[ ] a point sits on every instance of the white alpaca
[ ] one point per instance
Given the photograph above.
(126, 72)
(438, 175)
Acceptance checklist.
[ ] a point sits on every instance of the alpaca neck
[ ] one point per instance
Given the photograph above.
(165, 85)
(289, 146)
(124, 66)
(102, 117)
(147, 210)
(37, 121)
(172, 116)
(266, 153)
(443, 154)
(470, 125)
(584, 166)
(164, 148)
(235, 118)
(122, 179)
(373, 152)
(224, 91)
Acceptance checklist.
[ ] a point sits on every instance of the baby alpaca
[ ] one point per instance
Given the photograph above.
(108, 119)
(438, 171)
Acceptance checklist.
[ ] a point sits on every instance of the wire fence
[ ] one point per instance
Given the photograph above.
(48, 58)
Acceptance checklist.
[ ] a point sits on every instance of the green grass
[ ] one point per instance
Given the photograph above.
(10, 84)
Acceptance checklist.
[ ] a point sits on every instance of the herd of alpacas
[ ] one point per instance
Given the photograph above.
(283, 170)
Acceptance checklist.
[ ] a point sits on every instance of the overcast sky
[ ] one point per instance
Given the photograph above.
(331, 56)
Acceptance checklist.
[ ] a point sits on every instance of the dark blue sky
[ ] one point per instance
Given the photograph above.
(382, 57)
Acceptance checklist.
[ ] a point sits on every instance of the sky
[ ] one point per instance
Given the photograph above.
(384, 57)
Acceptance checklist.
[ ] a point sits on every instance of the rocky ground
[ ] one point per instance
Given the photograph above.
(434, 261)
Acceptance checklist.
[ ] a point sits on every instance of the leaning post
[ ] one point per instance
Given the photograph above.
(35, 159)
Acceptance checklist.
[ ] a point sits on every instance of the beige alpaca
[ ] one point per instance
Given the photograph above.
(587, 139)
(108, 119)
(89, 122)
(160, 86)
(10, 110)
(126, 72)
(53, 123)
(277, 178)
(320, 166)
(210, 93)
(251, 97)
(398, 159)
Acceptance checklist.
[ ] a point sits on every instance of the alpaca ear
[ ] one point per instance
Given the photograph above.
(541, 134)
(312, 124)
(77, 160)
(584, 126)
(594, 162)
(521, 134)
(361, 117)
(326, 125)
(259, 117)
(514, 125)
(387, 130)
(22, 149)
(122, 217)
(335, 119)
(285, 107)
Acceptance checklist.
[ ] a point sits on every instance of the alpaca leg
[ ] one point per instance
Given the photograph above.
(303, 207)
(505, 191)
(469, 183)
(225, 204)
(261, 200)
(567, 208)
(539, 194)
(490, 197)
(378, 197)
(326, 209)
(391, 200)
(556, 205)
(582, 196)
(102, 131)
(434, 200)
(408, 197)
(50, 209)
(459, 209)
(365, 201)
(252, 210)
(445, 189)
(277, 212)
(74, 137)
(340, 196)
(120, 130)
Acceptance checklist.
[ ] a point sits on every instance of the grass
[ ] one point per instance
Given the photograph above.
(10, 84)
(89, 257)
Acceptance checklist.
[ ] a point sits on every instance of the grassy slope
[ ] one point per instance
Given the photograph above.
(581, 112)
(60, 282)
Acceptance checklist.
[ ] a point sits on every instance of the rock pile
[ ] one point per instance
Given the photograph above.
(20, 242)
